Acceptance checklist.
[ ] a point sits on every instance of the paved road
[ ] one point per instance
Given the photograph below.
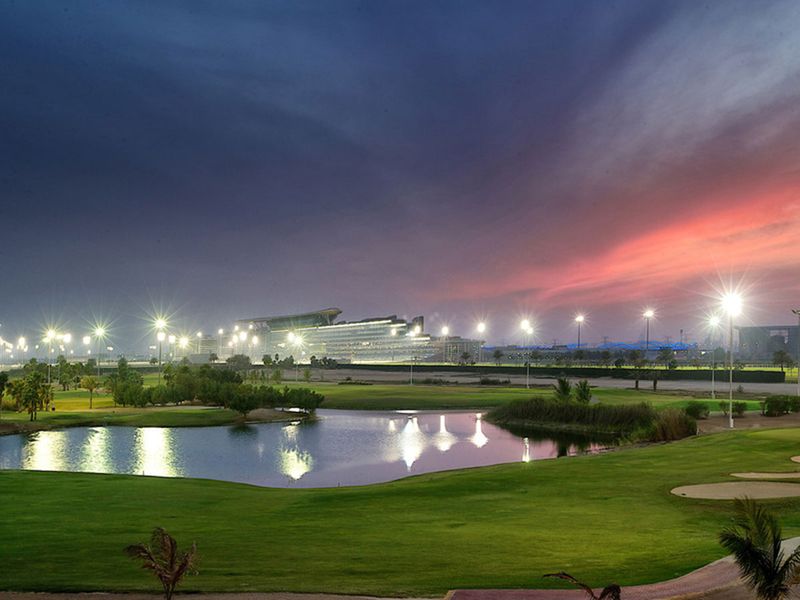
(607, 382)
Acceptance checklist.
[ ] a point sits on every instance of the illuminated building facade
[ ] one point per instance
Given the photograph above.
(318, 334)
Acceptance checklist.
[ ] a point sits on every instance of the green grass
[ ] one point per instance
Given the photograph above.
(601, 518)
(12, 422)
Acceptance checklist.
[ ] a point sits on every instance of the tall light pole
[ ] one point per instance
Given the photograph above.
(160, 336)
(481, 329)
(579, 320)
(99, 336)
(49, 336)
(527, 331)
(199, 336)
(713, 323)
(648, 314)
(797, 358)
(220, 333)
(732, 305)
(445, 333)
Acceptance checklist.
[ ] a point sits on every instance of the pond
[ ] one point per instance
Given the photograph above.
(340, 448)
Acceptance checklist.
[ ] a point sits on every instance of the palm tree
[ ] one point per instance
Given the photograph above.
(498, 355)
(781, 358)
(755, 542)
(161, 557)
(89, 383)
(562, 389)
(583, 392)
(610, 592)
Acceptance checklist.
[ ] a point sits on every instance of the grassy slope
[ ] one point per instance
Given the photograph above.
(500, 526)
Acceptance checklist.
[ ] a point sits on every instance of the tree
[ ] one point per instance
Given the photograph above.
(498, 355)
(638, 361)
(277, 376)
(163, 559)
(605, 358)
(3, 382)
(610, 592)
(665, 355)
(465, 357)
(89, 383)
(267, 360)
(213, 357)
(782, 359)
(307, 375)
(583, 392)
(35, 394)
(239, 362)
(579, 354)
(15, 389)
(562, 389)
(754, 539)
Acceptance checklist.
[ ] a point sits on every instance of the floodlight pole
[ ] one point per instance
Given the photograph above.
(797, 358)
(730, 370)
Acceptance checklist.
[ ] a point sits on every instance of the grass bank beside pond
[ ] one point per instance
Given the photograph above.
(492, 527)
(186, 416)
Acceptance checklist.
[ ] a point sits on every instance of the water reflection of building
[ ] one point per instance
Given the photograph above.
(155, 453)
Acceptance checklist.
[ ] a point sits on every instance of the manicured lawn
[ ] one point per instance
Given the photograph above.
(602, 518)
(145, 417)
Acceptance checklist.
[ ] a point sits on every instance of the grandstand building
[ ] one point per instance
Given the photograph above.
(319, 334)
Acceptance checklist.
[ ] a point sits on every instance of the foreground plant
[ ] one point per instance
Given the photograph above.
(162, 557)
(610, 592)
(755, 542)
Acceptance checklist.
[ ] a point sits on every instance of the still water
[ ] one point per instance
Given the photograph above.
(341, 448)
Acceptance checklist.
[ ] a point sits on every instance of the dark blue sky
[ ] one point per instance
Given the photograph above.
(455, 159)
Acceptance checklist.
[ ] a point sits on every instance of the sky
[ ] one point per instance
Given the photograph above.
(455, 159)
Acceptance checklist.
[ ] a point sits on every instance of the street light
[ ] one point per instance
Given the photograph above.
(49, 337)
(445, 333)
(199, 336)
(527, 330)
(648, 314)
(99, 335)
(481, 329)
(732, 305)
(797, 312)
(160, 336)
(713, 323)
(579, 320)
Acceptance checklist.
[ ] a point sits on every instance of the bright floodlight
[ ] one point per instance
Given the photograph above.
(87, 340)
(199, 334)
(290, 336)
(417, 329)
(445, 330)
(161, 336)
(580, 319)
(732, 304)
(99, 332)
(220, 331)
(525, 324)
(394, 331)
(481, 327)
(171, 339)
(21, 342)
(50, 335)
(236, 328)
(529, 331)
(161, 324)
(184, 341)
(254, 339)
(250, 326)
(242, 335)
(67, 338)
(649, 313)
(713, 321)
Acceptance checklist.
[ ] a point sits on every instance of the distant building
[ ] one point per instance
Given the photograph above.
(762, 341)
(375, 340)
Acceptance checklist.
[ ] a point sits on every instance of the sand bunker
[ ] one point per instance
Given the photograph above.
(738, 489)
(796, 458)
(789, 475)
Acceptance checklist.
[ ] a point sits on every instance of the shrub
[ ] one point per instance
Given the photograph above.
(490, 381)
(739, 408)
(775, 406)
(723, 406)
(562, 389)
(672, 424)
(618, 419)
(696, 409)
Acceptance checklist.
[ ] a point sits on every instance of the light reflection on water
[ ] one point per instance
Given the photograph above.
(341, 448)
